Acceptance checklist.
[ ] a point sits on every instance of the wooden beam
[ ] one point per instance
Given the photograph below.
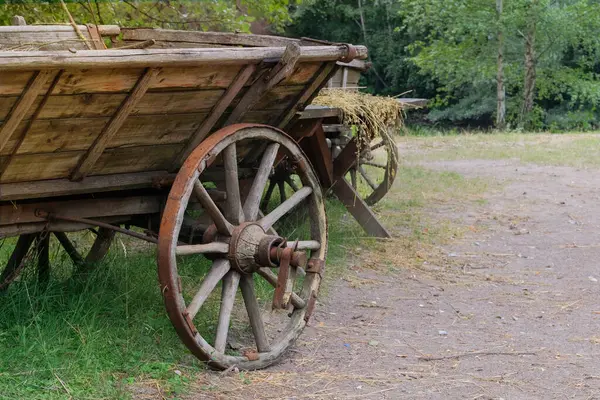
(359, 209)
(14, 214)
(314, 111)
(216, 113)
(230, 39)
(54, 226)
(134, 58)
(23, 105)
(5, 164)
(96, 38)
(304, 128)
(319, 80)
(346, 159)
(319, 155)
(283, 69)
(93, 184)
(105, 30)
(93, 154)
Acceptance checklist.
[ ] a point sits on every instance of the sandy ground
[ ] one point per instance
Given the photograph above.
(518, 319)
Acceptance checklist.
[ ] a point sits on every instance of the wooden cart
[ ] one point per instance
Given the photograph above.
(174, 135)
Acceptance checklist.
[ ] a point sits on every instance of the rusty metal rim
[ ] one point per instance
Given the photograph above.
(171, 223)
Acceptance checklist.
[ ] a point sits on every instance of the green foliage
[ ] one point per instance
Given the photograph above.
(446, 50)
(339, 21)
(214, 15)
(459, 47)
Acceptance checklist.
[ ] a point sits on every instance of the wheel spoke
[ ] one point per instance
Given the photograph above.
(292, 184)
(270, 277)
(306, 245)
(285, 207)
(232, 185)
(254, 314)
(223, 226)
(374, 164)
(215, 247)
(268, 195)
(282, 195)
(367, 178)
(70, 249)
(216, 273)
(252, 203)
(230, 285)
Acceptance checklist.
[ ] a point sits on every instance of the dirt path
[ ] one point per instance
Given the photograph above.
(518, 317)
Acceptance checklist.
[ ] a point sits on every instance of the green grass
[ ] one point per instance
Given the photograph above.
(100, 336)
(89, 338)
(576, 150)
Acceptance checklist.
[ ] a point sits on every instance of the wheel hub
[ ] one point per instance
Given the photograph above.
(247, 249)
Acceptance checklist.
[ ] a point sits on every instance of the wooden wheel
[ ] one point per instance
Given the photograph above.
(37, 246)
(373, 175)
(278, 280)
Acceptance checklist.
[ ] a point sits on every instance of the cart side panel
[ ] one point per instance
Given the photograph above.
(73, 109)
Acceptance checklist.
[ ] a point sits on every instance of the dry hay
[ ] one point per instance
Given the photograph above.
(374, 116)
(371, 116)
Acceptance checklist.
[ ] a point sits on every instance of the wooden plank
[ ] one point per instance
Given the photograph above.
(105, 105)
(35, 167)
(75, 134)
(215, 114)
(122, 80)
(84, 208)
(136, 159)
(319, 154)
(32, 167)
(314, 111)
(92, 184)
(23, 105)
(105, 30)
(95, 38)
(23, 132)
(359, 209)
(145, 58)
(86, 164)
(237, 39)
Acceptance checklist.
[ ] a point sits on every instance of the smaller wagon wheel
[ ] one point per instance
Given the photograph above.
(373, 175)
(278, 279)
(37, 247)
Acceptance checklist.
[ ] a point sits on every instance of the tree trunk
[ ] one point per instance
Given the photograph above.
(362, 21)
(500, 89)
(530, 65)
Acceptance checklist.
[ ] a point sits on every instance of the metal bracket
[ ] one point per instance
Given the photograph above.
(315, 266)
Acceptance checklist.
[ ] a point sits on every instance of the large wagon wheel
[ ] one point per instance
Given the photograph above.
(37, 246)
(242, 255)
(374, 173)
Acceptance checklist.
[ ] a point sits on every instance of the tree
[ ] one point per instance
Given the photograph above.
(500, 88)
(373, 23)
(216, 15)
(530, 39)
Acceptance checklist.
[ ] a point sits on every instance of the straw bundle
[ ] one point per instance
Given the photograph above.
(374, 116)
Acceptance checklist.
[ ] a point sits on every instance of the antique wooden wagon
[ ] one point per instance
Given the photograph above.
(172, 137)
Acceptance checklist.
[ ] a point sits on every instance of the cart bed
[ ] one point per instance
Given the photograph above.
(57, 106)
